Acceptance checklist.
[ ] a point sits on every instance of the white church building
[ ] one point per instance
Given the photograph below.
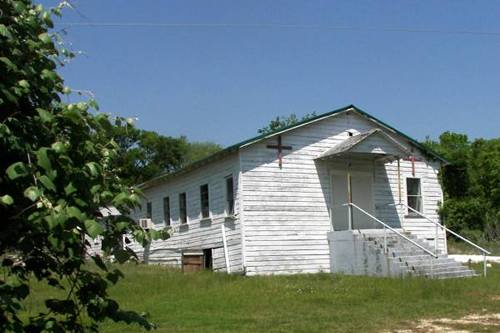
(341, 192)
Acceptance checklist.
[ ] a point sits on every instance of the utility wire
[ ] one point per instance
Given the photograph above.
(277, 26)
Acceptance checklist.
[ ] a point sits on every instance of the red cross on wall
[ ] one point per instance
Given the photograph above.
(412, 159)
(280, 149)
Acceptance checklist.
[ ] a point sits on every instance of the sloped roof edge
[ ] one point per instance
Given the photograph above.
(234, 148)
(353, 141)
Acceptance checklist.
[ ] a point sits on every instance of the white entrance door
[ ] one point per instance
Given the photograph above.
(362, 196)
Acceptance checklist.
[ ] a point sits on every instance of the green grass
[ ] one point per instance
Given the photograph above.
(459, 247)
(209, 302)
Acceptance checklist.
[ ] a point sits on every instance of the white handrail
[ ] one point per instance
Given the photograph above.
(484, 251)
(443, 227)
(392, 229)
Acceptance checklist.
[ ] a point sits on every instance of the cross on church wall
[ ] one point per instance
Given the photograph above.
(280, 149)
(412, 159)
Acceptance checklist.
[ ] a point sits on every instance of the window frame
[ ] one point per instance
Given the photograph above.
(228, 211)
(410, 213)
(183, 218)
(205, 202)
(167, 213)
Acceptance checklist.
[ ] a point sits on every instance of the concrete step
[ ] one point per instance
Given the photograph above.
(428, 266)
(455, 274)
(444, 275)
(425, 259)
(406, 252)
(410, 248)
(438, 270)
(411, 260)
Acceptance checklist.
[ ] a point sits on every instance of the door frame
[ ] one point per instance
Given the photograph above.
(340, 172)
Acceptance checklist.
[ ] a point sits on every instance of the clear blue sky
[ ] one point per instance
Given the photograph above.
(223, 83)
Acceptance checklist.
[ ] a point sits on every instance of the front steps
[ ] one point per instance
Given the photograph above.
(409, 260)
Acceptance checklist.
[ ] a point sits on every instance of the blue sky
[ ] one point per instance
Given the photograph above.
(223, 83)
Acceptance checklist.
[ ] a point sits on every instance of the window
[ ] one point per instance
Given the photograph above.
(414, 195)
(182, 208)
(149, 210)
(204, 199)
(207, 259)
(229, 196)
(166, 210)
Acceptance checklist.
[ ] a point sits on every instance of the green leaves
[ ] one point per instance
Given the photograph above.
(24, 84)
(32, 193)
(59, 147)
(43, 159)
(47, 74)
(94, 229)
(6, 200)
(70, 189)
(45, 38)
(114, 276)
(45, 115)
(58, 167)
(47, 183)
(16, 170)
(123, 255)
(10, 65)
(93, 169)
(5, 32)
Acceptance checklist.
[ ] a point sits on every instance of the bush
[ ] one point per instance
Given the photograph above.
(464, 214)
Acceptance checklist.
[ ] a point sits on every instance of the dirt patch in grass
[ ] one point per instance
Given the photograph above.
(469, 324)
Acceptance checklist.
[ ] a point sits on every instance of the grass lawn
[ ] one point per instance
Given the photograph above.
(209, 302)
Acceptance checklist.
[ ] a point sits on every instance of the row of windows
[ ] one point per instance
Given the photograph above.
(413, 196)
(204, 201)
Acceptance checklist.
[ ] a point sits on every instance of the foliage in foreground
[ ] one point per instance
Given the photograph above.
(471, 184)
(56, 171)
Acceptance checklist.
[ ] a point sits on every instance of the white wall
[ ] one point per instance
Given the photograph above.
(197, 233)
(286, 211)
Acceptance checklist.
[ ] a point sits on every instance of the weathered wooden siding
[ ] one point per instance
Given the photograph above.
(286, 211)
(197, 233)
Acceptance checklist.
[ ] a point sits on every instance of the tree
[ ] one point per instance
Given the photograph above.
(471, 184)
(284, 121)
(146, 154)
(199, 150)
(455, 148)
(58, 167)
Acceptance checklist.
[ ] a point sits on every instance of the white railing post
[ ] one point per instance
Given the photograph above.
(485, 263)
(436, 240)
(385, 240)
(226, 252)
(432, 267)
(349, 216)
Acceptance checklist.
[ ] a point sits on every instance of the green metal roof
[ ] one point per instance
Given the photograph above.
(233, 148)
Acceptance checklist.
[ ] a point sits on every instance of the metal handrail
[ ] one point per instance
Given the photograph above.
(392, 229)
(443, 227)
(484, 251)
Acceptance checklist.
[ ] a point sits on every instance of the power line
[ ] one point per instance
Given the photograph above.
(278, 26)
